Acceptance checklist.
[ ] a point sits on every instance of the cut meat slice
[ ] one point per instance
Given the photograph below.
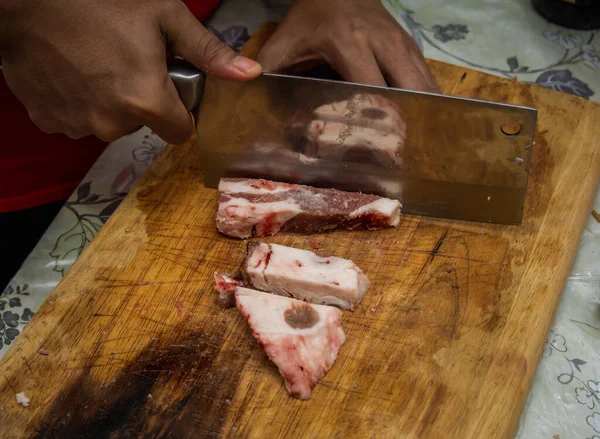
(305, 276)
(340, 141)
(302, 340)
(250, 207)
(365, 110)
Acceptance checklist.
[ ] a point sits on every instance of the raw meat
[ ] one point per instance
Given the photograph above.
(302, 340)
(342, 142)
(365, 110)
(304, 275)
(249, 207)
(226, 285)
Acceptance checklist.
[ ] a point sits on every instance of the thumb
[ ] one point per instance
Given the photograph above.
(189, 39)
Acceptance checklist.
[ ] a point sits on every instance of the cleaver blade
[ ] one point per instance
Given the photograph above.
(452, 157)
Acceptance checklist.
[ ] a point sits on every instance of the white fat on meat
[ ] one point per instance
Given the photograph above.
(340, 141)
(365, 110)
(304, 275)
(254, 187)
(303, 340)
(241, 218)
(380, 207)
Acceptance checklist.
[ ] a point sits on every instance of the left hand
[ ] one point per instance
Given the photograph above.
(358, 38)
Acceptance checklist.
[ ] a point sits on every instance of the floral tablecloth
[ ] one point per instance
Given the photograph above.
(504, 38)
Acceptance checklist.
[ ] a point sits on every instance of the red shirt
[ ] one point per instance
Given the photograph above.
(38, 168)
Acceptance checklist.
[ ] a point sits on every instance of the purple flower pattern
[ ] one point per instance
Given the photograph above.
(450, 32)
(564, 38)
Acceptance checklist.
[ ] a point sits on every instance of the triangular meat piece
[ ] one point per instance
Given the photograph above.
(302, 339)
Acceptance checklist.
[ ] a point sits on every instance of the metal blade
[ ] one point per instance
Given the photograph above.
(460, 158)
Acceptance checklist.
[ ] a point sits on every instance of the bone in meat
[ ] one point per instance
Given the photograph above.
(304, 275)
(250, 207)
(342, 142)
(303, 340)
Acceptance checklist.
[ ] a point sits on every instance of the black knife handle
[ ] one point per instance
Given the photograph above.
(188, 80)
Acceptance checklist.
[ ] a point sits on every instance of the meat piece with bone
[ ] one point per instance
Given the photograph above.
(304, 275)
(303, 340)
(249, 207)
(342, 142)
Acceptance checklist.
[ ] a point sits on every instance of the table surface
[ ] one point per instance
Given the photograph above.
(565, 397)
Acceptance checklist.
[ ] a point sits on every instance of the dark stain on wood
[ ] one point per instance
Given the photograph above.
(170, 390)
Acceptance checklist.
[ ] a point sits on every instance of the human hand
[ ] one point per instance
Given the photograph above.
(85, 67)
(358, 38)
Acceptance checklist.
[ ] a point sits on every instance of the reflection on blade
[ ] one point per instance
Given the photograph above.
(440, 156)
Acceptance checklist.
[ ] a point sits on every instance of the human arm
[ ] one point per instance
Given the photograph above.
(84, 67)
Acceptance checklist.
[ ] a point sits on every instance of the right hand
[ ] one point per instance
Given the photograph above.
(88, 67)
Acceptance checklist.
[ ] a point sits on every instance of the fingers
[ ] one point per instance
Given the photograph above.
(421, 64)
(275, 55)
(352, 58)
(170, 120)
(357, 65)
(404, 65)
(188, 38)
(282, 54)
(164, 113)
(109, 130)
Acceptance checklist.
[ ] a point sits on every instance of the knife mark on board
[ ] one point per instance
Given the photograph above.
(437, 246)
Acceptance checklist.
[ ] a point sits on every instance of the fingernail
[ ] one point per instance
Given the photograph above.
(246, 65)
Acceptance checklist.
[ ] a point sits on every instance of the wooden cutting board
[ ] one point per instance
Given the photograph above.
(445, 344)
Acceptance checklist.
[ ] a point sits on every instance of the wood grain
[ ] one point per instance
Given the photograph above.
(445, 344)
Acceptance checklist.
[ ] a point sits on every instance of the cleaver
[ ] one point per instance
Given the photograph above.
(440, 156)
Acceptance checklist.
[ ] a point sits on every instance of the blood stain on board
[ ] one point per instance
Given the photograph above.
(187, 373)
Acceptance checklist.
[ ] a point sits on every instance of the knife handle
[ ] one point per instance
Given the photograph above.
(188, 80)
